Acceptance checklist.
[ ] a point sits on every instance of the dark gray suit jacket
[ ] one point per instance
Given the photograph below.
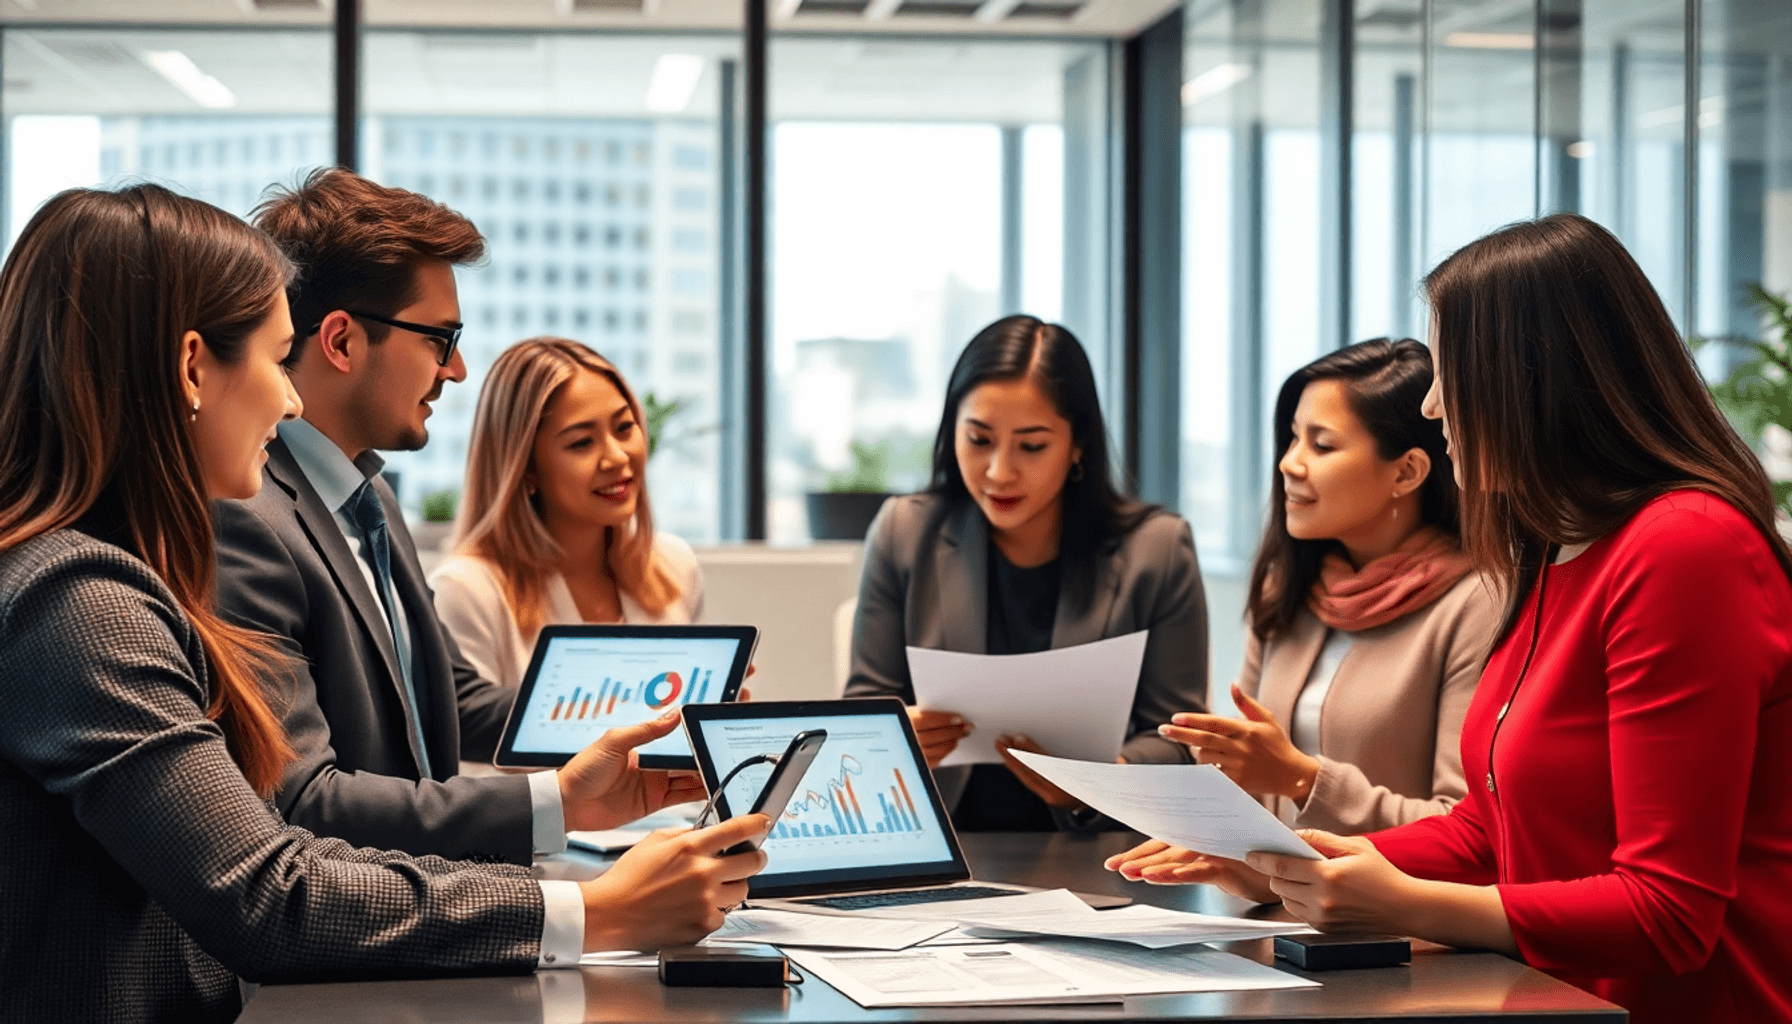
(285, 569)
(139, 873)
(925, 589)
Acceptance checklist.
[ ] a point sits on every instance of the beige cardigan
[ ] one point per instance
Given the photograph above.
(1390, 729)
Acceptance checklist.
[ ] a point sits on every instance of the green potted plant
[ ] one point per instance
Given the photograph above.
(844, 510)
(434, 533)
(1758, 392)
(659, 414)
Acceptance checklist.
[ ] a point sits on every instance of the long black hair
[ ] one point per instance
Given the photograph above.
(1385, 383)
(1096, 515)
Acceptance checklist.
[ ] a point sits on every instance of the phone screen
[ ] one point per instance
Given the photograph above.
(783, 781)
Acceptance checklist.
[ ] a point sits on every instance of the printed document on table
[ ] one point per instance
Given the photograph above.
(1140, 925)
(1046, 972)
(1193, 806)
(783, 928)
(1073, 701)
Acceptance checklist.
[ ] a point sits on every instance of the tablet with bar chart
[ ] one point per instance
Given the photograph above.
(866, 814)
(583, 680)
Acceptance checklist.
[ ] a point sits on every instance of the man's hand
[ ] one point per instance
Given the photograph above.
(672, 888)
(938, 731)
(603, 786)
(1029, 778)
(1163, 864)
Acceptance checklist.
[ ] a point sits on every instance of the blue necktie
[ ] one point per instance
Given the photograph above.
(369, 516)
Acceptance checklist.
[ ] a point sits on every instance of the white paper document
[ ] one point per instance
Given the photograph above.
(616, 840)
(1193, 806)
(1073, 701)
(784, 928)
(1045, 972)
(1139, 925)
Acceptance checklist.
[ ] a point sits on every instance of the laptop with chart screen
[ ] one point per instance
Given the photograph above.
(583, 680)
(866, 828)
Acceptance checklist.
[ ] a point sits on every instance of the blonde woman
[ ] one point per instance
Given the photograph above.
(554, 527)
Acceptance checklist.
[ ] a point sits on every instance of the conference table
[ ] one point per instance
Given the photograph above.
(1439, 985)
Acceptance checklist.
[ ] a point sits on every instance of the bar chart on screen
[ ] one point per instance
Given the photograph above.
(586, 686)
(839, 811)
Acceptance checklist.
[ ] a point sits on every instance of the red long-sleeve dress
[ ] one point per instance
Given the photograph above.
(1635, 806)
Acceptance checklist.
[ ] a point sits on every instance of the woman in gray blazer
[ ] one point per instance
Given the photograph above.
(1023, 544)
(142, 870)
(1367, 628)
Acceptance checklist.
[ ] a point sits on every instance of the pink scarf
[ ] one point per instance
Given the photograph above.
(1418, 572)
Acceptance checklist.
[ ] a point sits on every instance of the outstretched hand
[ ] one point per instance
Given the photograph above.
(1162, 864)
(1254, 751)
(604, 786)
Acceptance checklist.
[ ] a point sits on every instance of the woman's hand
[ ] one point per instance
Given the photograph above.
(1357, 889)
(1254, 751)
(1029, 778)
(1163, 864)
(938, 731)
(1354, 889)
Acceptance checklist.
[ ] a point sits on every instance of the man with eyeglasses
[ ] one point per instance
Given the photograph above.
(379, 704)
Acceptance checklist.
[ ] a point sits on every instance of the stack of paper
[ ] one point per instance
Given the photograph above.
(1151, 927)
(786, 928)
(1045, 972)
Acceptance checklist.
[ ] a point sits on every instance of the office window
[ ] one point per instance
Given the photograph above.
(894, 164)
(88, 107)
(1465, 119)
(556, 101)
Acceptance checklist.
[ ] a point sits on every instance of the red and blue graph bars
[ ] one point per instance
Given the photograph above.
(895, 809)
(662, 691)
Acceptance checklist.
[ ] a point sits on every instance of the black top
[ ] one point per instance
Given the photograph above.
(1022, 607)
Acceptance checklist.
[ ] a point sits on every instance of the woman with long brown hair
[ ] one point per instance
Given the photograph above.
(1629, 820)
(1367, 626)
(555, 526)
(142, 871)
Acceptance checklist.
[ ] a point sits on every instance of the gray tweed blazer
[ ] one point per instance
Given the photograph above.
(140, 876)
(931, 590)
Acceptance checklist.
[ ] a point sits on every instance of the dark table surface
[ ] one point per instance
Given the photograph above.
(1440, 984)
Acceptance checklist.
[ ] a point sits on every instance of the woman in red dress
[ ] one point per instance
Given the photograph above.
(1628, 826)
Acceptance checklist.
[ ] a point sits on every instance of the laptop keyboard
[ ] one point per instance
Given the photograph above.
(874, 900)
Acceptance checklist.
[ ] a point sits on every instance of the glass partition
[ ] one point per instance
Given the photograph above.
(919, 190)
(217, 114)
(592, 163)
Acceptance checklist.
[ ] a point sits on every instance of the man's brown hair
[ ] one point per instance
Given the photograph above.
(357, 245)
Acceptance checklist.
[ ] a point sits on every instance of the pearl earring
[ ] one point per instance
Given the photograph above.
(195, 417)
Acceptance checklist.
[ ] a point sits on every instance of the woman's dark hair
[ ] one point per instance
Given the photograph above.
(1096, 515)
(95, 298)
(1385, 383)
(1572, 400)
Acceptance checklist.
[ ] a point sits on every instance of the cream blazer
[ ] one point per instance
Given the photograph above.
(470, 603)
(1390, 730)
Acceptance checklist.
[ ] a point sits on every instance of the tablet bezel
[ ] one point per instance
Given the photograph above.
(746, 639)
(808, 883)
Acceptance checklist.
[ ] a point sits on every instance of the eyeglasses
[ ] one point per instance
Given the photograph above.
(447, 337)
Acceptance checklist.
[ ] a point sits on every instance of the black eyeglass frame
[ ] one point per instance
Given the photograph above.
(448, 336)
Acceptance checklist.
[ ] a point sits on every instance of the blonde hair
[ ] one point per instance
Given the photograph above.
(498, 521)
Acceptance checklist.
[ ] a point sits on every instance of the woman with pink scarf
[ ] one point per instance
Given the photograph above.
(1367, 629)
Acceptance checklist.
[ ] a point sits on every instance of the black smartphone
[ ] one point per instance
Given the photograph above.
(786, 775)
